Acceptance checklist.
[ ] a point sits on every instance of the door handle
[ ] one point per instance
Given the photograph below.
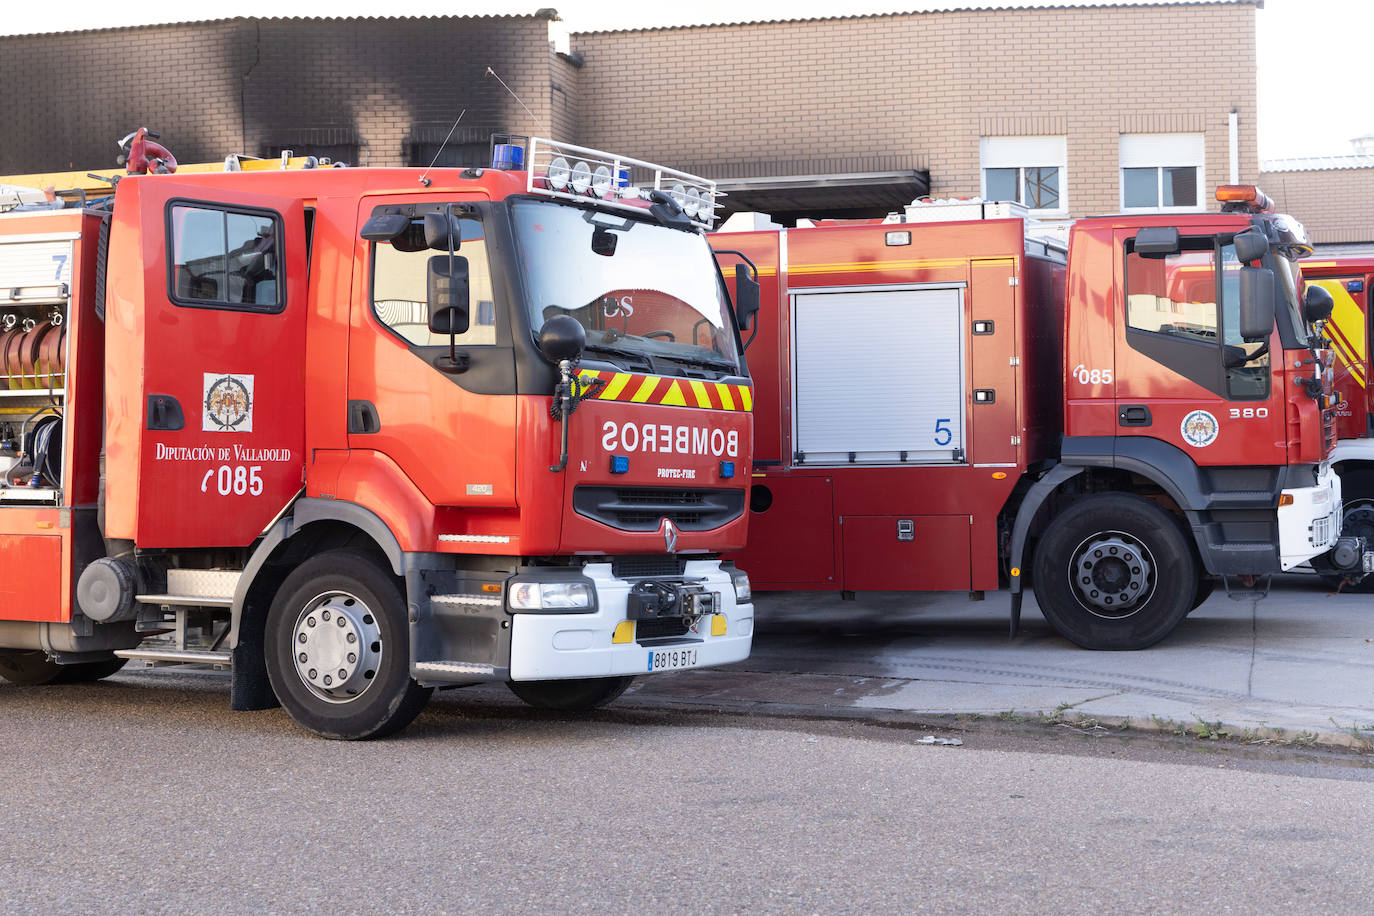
(1134, 415)
(363, 419)
(164, 413)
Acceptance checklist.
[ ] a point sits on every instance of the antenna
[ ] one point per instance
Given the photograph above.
(424, 179)
(518, 99)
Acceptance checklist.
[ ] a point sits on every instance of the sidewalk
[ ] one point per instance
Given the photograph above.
(1296, 666)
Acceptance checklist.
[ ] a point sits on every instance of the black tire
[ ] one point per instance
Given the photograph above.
(89, 672)
(572, 694)
(28, 669)
(1205, 586)
(1357, 520)
(1115, 571)
(361, 603)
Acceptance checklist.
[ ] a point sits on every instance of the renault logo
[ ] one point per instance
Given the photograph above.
(669, 532)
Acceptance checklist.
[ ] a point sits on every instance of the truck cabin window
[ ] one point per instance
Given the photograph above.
(1183, 310)
(224, 258)
(399, 298)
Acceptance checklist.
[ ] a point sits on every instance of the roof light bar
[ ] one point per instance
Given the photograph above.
(1243, 198)
(578, 173)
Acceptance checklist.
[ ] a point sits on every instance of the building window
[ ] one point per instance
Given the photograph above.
(1028, 170)
(1161, 172)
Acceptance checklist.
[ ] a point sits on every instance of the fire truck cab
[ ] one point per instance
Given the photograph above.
(357, 433)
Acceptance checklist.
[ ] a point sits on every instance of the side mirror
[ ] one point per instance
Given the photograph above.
(1250, 246)
(446, 287)
(1157, 242)
(1256, 303)
(443, 231)
(746, 297)
(385, 226)
(1317, 303)
(562, 337)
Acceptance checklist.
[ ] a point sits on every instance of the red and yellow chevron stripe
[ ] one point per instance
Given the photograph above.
(672, 392)
(1345, 329)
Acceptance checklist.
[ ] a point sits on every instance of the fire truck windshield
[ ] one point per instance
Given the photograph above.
(645, 293)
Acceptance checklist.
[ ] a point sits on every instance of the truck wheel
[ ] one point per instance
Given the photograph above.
(337, 648)
(88, 672)
(1357, 520)
(1115, 572)
(572, 694)
(28, 669)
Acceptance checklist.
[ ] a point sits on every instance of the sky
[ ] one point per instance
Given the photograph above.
(1315, 88)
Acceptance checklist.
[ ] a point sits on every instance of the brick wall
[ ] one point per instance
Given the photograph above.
(1335, 205)
(930, 84)
(247, 85)
(69, 98)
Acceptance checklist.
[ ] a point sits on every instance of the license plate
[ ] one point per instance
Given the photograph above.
(672, 659)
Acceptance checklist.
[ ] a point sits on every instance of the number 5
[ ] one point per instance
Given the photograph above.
(943, 434)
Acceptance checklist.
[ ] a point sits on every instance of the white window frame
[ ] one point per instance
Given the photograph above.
(1023, 153)
(1160, 152)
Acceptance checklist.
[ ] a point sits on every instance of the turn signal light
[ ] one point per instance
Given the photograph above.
(1285, 499)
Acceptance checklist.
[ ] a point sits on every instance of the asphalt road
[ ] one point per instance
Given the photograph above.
(147, 793)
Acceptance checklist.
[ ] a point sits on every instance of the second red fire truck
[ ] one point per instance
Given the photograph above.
(946, 404)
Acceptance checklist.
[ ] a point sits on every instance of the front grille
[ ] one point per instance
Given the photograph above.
(648, 566)
(643, 508)
(661, 627)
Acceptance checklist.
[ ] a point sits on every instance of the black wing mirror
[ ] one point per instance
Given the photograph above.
(746, 296)
(1256, 303)
(1250, 246)
(443, 230)
(1317, 303)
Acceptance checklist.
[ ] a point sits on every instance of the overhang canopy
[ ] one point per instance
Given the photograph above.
(835, 188)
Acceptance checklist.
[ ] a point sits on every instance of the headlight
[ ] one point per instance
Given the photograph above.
(534, 596)
(743, 594)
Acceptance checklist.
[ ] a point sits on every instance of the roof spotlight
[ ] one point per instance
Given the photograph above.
(558, 173)
(581, 178)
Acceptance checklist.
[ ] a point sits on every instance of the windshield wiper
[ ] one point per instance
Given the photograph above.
(625, 353)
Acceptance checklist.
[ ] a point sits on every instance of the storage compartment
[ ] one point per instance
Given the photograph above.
(35, 290)
(906, 552)
(879, 376)
(30, 577)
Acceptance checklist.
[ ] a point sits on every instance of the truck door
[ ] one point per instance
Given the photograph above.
(451, 433)
(992, 344)
(1347, 332)
(1183, 373)
(223, 347)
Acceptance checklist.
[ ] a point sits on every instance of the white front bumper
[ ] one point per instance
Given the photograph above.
(1309, 526)
(546, 646)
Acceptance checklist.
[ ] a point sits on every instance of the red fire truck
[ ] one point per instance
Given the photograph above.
(957, 405)
(358, 433)
(1347, 280)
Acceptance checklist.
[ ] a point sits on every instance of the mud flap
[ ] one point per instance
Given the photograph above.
(249, 687)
